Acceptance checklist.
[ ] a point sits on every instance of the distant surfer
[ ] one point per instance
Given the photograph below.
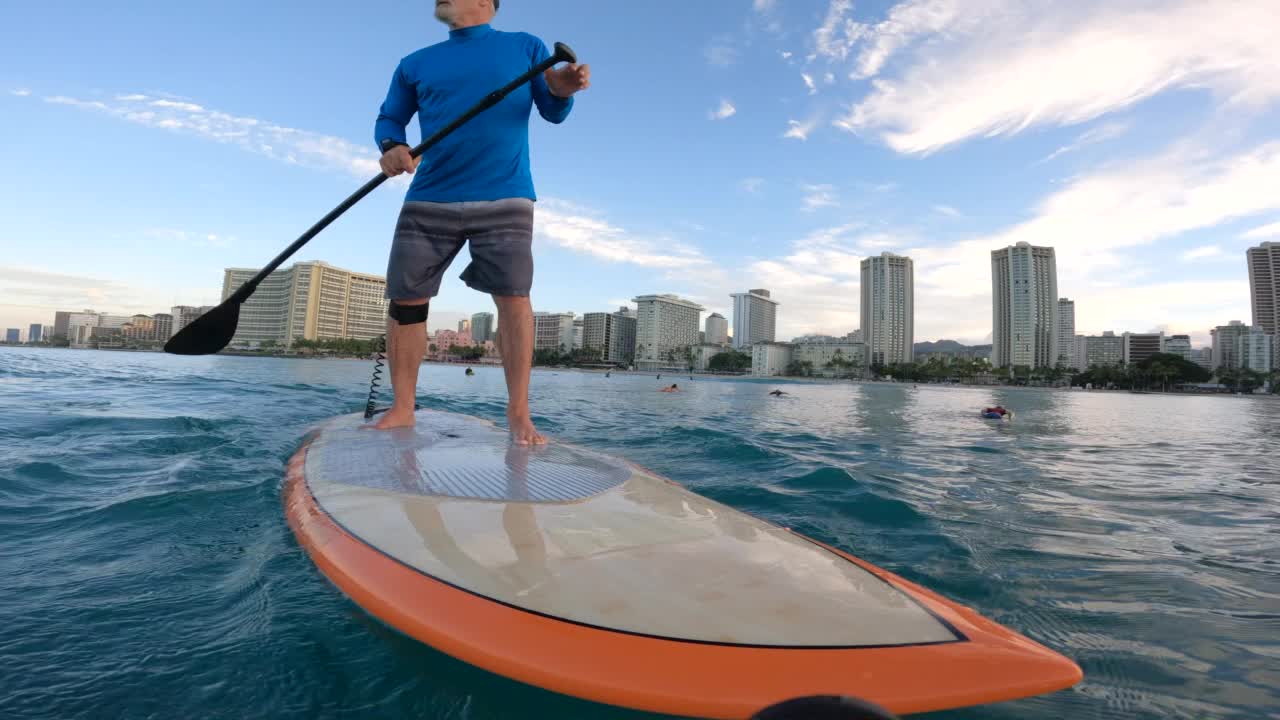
(777, 393)
(673, 388)
(606, 373)
(997, 410)
(470, 371)
(475, 186)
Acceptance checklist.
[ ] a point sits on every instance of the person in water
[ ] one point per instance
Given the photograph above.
(673, 388)
(470, 371)
(997, 410)
(777, 393)
(474, 186)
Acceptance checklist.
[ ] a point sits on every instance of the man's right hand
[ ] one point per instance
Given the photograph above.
(398, 160)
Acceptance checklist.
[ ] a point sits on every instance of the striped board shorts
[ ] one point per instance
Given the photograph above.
(429, 235)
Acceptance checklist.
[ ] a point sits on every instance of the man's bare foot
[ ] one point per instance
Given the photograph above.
(522, 430)
(394, 418)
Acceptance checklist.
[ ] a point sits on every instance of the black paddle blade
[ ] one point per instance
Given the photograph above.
(208, 333)
(563, 53)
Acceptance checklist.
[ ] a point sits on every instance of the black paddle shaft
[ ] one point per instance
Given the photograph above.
(191, 345)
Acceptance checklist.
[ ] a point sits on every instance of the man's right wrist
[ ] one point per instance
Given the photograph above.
(388, 144)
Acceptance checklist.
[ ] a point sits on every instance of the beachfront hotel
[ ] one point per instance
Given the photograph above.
(308, 301)
(482, 326)
(755, 318)
(665, 326)
(1066, 332)
(888, 309)
(553, 331)
(1024, 306)
(716, 330)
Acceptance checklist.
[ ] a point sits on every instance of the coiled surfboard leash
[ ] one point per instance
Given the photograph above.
(379, 361)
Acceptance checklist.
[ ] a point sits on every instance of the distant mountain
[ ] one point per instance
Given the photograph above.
(951, 347)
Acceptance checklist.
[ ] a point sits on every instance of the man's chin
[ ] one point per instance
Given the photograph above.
(444, 14)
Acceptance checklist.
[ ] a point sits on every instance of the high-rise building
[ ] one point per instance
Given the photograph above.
(482, 326)
(612, 336)
(1024, 306)
(1203, 357)
(1226, 344)
(113, 322)
(1236, 345)
(888, 309)
(139, 327)
(311, 301)
(64, 319)
(1179, 345)
(1264, 286)
(163, 326)
(1080, 353)
(35, 333)
(717, 330)
(553, 331)
(464, 327)
(666, 326)
(1104, 349)
(577, 333)
(1140, 346)
(13, 336)
(755, 318)
(1066, 331)
(184, 315)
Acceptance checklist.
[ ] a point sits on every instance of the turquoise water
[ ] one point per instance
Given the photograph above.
(148, 571)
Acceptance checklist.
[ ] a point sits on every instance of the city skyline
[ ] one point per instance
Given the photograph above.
(858, 143)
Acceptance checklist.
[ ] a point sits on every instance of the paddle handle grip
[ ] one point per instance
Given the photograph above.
(562, 53)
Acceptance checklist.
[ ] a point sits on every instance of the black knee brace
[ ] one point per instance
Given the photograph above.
(407, 314)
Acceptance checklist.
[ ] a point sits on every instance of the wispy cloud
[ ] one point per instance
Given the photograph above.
(575, 228)
(947, 210)
(818, 196)
(1199, 253)
(20, 92)
(1092, 136)
(1265, 231)
(762, 5)
(290, 145)
(838, 34)
(808, 82)
(725, 110)
(751, 184)
(799, 130)
(993, 70)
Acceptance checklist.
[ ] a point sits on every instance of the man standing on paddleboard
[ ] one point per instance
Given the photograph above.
(475, 185)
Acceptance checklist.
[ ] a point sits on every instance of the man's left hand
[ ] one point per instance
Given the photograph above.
(568, 79)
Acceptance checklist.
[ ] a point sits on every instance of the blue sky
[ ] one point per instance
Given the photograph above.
(723, 145)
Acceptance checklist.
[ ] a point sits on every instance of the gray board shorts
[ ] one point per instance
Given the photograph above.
(429, 234)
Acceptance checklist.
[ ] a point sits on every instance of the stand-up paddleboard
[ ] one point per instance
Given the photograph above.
(584, 574)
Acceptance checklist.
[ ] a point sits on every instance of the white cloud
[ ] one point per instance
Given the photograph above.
(1199, 253)
(573, 228)
(725, 110)
(905, 22)
(837, 35)
(947, 210)
(287, 144)
(818, 196)
(998, 69)
(1265, 231)
(808, 82)
(20, 92)
(786, 54)
(828, 78)
(1092, 136)
(751, 184)
(799, 130)
(762, 5)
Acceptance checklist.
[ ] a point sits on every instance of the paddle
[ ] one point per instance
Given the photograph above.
(211, 332)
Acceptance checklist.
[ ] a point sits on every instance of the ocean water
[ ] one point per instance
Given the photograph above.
(148, 572)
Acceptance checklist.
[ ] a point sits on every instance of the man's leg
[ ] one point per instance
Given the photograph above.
(515, 342)
(406, 346)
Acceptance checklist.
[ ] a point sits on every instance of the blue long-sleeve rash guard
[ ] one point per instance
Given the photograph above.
(487, 158)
